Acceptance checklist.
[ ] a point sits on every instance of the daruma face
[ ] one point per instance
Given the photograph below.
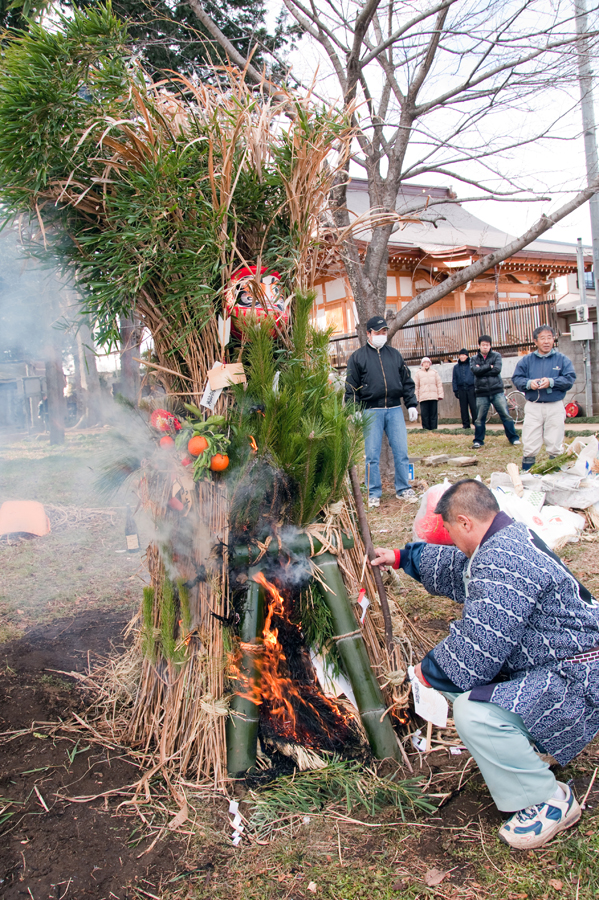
(247, 296)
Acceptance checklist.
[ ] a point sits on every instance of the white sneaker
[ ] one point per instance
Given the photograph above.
(516, 443)
(373, 502)
(408, 494)
(534, 826)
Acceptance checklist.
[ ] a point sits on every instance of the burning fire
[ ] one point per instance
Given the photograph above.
(295, 708)
(253, 443)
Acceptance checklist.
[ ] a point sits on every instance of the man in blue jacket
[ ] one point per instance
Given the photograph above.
(521, 665)
(463, 387)
(543, 376)
(377, 380)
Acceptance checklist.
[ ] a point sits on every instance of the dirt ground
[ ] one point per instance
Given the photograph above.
(53, 846)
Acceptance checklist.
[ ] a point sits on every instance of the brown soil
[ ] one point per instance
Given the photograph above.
(73, 850)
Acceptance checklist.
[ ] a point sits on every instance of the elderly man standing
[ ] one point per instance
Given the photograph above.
(521, 666)
(377, 379)
(544, 376)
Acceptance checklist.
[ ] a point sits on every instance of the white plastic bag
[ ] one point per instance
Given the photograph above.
(586, 457)
(554, 524)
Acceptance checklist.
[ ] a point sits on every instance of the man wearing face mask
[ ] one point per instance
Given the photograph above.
(377, 380)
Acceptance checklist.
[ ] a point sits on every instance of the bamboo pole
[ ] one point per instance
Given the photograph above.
(298, 543)
(366, 537)
(244, 711)
(354, 655)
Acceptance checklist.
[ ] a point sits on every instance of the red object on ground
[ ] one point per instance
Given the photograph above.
(187, 461)
(428, 526)
(166, 441)
(572, 410)
(175, 503)
(431, 529)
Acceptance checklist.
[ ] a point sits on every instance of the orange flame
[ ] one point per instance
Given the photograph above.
(275, 687)
(277, 690)
(253, 444)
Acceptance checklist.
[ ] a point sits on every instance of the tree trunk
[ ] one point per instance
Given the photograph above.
(130, 340)
(55, 389)
(90, 381)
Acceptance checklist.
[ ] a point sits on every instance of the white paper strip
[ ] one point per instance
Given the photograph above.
(364, 603)
(428, 703)
(224, 330)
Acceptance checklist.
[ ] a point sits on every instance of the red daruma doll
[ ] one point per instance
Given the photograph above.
(427, 525)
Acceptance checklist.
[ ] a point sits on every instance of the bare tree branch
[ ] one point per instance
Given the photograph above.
(233, 54)
(432, 295)
(423, 88)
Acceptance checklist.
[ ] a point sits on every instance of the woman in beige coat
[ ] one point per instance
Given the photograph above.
(429, 390)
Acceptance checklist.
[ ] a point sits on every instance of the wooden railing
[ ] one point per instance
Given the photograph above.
(510, 326)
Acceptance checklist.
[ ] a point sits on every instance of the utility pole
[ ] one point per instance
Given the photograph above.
(588, 378)
(585, 80)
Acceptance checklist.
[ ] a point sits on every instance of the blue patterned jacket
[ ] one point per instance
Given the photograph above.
(525, 615)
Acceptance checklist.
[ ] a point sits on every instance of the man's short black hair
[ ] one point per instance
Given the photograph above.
(485, 337)
(541, 329)
(467, 498)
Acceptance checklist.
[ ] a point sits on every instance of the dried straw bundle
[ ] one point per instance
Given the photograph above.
(179, 706)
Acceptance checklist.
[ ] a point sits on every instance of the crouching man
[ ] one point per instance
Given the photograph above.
(521, 666)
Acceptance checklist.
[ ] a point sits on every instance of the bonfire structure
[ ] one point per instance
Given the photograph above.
(200, 208)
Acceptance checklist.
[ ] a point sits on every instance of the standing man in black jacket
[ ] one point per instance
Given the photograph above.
(488, 387)
(463, 387)
(377, 379)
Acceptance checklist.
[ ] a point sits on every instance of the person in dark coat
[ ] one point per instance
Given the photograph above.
(488, 387)
(463, 387)
(521, 665)
(377, 380)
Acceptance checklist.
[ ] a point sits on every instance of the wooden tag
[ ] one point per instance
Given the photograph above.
(224, 375)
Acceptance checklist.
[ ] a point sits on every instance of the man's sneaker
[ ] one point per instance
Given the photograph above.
(528, 462)
(374, 502)
(476, 445)
(408, 494)
(534, 826)
(516, 443)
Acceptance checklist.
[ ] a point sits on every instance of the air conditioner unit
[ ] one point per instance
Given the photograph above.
(582, 313)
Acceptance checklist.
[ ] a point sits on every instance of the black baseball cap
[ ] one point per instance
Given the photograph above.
(463, 352)
(375, 323)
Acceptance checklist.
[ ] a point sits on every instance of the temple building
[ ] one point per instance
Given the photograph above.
(537, 284)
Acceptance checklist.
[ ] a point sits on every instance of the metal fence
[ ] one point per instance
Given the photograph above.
(510, 326)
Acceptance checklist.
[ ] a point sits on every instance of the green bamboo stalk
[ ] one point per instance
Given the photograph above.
(167, 620)
(185, 609)
(353, 653)
(299, 543)
(244, 713)
(147, 636)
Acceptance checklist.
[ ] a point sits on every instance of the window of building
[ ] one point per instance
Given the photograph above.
(589, 281)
